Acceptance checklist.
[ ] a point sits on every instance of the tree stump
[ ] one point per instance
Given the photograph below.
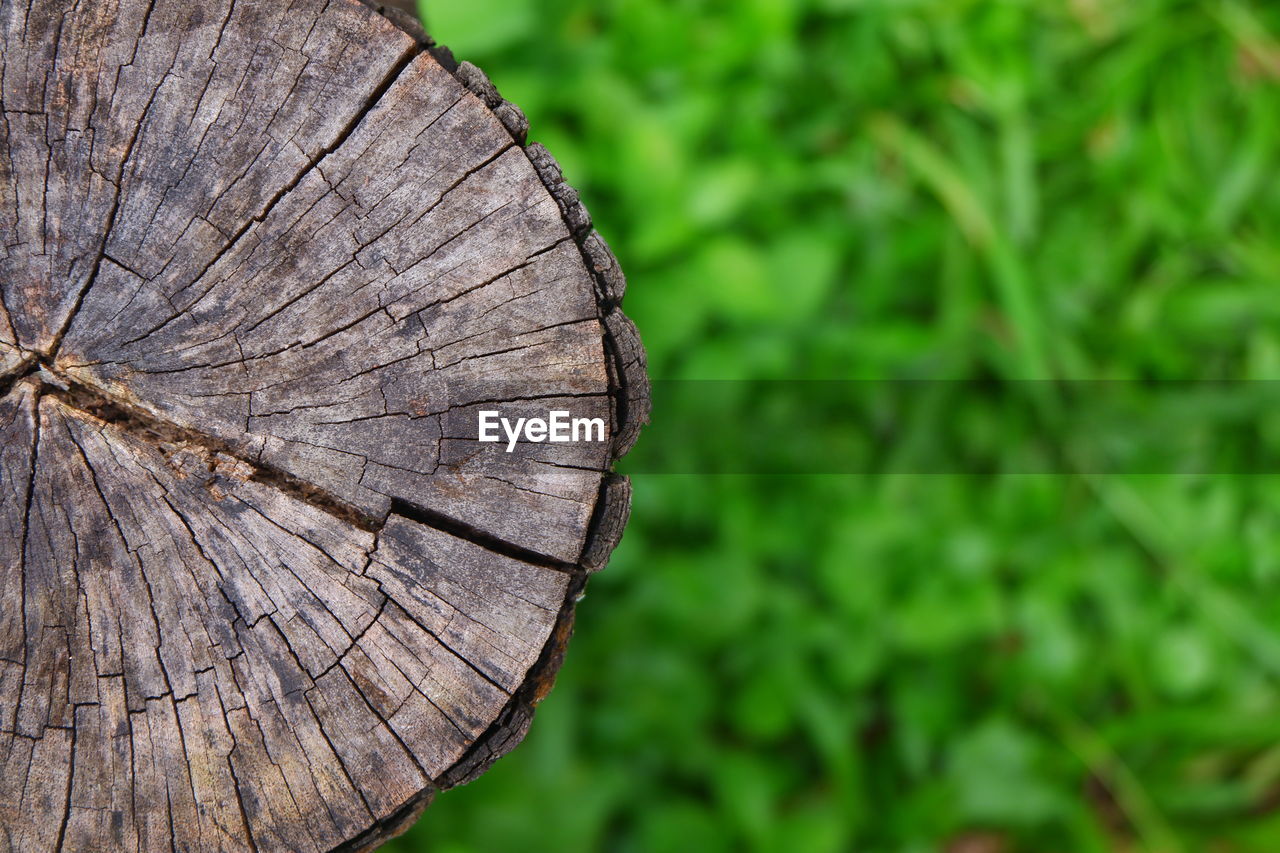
(261, 586)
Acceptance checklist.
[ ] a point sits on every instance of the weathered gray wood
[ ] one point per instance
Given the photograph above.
(260, 585)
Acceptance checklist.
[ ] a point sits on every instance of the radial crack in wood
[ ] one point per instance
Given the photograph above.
(261, 585)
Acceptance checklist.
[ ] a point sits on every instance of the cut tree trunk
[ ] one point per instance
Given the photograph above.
(261, 587)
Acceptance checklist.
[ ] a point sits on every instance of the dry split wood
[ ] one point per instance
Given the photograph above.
(262, 266)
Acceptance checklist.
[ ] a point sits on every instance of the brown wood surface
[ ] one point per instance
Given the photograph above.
(261, 588)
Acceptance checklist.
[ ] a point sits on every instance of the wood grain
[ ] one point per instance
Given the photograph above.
(261, 587)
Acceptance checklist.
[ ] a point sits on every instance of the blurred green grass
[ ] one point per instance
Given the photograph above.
(915, 189)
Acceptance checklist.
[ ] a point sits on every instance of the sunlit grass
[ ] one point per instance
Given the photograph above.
(929, 189)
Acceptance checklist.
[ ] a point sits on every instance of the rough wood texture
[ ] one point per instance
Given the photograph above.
(261, 588)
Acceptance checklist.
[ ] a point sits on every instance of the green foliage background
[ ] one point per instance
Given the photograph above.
(919, 188)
